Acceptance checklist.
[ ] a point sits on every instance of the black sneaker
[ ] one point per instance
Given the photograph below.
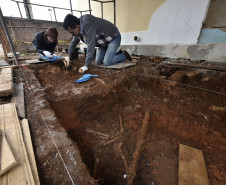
(120, 51)
(40, 59)
(128, 57)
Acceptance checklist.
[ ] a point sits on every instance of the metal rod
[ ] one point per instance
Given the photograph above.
(102, 13)
(19, 10)
(52, 6)
(103, 1)
(27, 9)
(89, 7)
(114, 13)
(55, 16)
(71, 7)
(33, 27)
(8, 36)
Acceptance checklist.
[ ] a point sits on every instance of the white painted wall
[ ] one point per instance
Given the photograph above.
(175, 22)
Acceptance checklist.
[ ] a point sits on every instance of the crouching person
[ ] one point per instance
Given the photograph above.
(45, 42)
(95, 32)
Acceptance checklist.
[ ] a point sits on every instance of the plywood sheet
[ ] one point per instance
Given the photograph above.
(21, 173)
(6, 82)
(33, 61)
(192, 168)
(18, 99)
(116, 66)
(3, 63)
(29, 149)
(7, 158)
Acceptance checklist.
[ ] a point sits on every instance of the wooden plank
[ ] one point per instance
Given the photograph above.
(4, 45)
(192, 167)
(5, 40)
(7, 158)
(136, 154)
(29, 149)
(33, 61)
(14, 37)
(0, 144)
(21, 174)
(18, 99)
(6, 82)
(3, 63)
(116, 66)
(135, 57)
(216, 68)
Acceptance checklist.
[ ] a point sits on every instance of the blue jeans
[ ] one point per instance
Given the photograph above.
(108, 55)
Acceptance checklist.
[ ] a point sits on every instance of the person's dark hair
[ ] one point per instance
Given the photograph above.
(70, 20)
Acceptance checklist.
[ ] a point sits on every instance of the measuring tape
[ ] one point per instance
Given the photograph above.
(22, 42)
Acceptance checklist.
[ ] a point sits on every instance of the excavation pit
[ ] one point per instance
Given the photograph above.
(105, 119)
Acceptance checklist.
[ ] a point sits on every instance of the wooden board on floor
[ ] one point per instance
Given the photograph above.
(3, 63)
(29, 149)
(216, 68)
(18, 99)
(192, 167)
(7, 158)
(33, 61)
(116, 66)
(20, 173)
(6, 82)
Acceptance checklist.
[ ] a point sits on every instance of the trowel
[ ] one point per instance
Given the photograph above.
(85, 78)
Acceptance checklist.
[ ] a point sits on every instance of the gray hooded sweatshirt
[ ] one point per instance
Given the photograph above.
(95, 32)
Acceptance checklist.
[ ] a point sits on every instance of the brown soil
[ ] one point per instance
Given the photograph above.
(105, 119)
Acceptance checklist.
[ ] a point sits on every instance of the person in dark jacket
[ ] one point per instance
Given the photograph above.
(95, 32)
(45, 42)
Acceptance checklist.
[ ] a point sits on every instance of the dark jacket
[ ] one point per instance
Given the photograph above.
(41, 44)
(95, 32)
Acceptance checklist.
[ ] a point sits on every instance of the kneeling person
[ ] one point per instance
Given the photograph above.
(95, 32)
(45, 42)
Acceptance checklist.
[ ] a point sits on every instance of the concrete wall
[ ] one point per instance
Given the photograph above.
(175, 22)
(22, 30)
(214, 30)
(208, 52)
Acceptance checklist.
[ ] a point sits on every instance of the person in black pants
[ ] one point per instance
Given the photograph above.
(45, 42)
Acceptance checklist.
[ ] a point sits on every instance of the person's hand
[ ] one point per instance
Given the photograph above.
(48, 54)
(67, 62)
(83, 69)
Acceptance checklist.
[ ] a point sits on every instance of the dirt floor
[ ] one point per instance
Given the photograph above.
(127, 124)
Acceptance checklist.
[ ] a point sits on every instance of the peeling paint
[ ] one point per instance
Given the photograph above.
(212, 35)
(195, 52)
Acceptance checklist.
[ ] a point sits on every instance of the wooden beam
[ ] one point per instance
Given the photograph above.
(2, 33)
(192, 167)
(3, 46)
(30, 151)
(133, 166)
(6, 82)
(7, 158)
(3, 63)
(198, 66)
(18, 99)
(21, 172)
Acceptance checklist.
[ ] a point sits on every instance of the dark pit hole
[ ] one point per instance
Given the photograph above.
(170, 124)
